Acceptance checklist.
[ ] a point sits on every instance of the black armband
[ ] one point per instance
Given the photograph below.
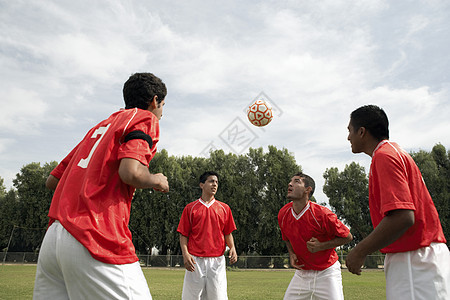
(137, 134)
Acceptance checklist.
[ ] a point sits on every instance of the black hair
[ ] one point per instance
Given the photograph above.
(373, 119)
(308, 181)
(140, 88)
(205, 176)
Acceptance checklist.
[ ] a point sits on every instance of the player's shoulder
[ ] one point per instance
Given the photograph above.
(220, 203)
(192, 203)
(387, 149)
(128, 117)
(389, 154)
(319, 208)
(285, 207)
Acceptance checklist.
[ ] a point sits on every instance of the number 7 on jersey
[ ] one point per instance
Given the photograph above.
(99, 131)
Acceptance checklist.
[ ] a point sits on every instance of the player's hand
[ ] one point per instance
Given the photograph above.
(313, 245)
(189, 262)
(232, 255)
(161, 185)
(294, 262)
(354, 262)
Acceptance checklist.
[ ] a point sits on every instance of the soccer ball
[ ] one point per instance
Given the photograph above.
(259, 113)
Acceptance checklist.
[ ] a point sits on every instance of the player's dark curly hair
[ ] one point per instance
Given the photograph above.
(308, 181)
(140, 88)
(373, 119)
(205, 176)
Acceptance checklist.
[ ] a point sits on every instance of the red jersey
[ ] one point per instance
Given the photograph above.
(91, 201)
(313, 221)
(205, 225)
(395, 182)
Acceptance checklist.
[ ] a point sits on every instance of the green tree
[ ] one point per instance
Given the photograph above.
(435, 169)
(8, 217)
(348, 195)
(275, 171)
(155, 215)
(253, 185)
(2, 188)
(33, 204)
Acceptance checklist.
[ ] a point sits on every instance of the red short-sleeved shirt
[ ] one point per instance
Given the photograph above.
(91, 201)
(395, 182)
(205, 225)
(313, 221)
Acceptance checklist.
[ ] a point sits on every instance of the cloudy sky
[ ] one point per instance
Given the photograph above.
(63, 64)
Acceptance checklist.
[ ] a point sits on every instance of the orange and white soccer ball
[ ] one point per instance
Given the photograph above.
(259, 113)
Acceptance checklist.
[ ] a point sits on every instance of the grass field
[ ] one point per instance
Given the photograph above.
(16, 282)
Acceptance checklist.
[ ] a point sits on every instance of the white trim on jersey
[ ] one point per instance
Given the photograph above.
(129, 121)
(207, 204)
(301, 213)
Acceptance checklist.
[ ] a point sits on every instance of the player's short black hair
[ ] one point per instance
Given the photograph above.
(205, 176)
(308, 181)
(140, 88)
(373, 119)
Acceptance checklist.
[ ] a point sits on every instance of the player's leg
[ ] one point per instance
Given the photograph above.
(300, 286)
(49, 282)
(328, 284)
(88, 278)
(419, 274)
(194, 282)
(216, 279)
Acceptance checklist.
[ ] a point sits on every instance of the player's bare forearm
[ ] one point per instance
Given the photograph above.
(189, 262)
(229, 240)
(314, 245)
(52, 182)
(391, 227)
(134, 173)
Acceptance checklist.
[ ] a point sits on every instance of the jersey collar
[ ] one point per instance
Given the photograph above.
(207, 204)
(302, 212)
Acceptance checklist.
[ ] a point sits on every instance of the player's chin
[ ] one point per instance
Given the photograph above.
(354, 150)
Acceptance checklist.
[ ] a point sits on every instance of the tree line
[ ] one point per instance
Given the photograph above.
(254, 185)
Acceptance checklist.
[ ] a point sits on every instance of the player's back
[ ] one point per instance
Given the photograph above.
(395, 182)
(91, 201)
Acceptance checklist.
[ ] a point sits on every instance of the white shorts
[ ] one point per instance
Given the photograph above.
(420, 274)
(208, 281)
(66, 270)
(310, 284)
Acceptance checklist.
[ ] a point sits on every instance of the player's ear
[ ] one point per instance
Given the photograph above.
(362, 131)
(153, 103)
(308, 190)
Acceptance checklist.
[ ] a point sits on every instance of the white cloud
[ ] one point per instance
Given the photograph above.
(21, 111)
(63, 66)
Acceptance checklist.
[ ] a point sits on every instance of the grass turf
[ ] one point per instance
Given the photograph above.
(16, 282)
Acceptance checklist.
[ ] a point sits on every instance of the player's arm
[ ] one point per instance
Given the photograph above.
(391, 227)
(292, 256)
(189, 262)
(230, 243)
(314, 245)
(51, 182)
(134, 173)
